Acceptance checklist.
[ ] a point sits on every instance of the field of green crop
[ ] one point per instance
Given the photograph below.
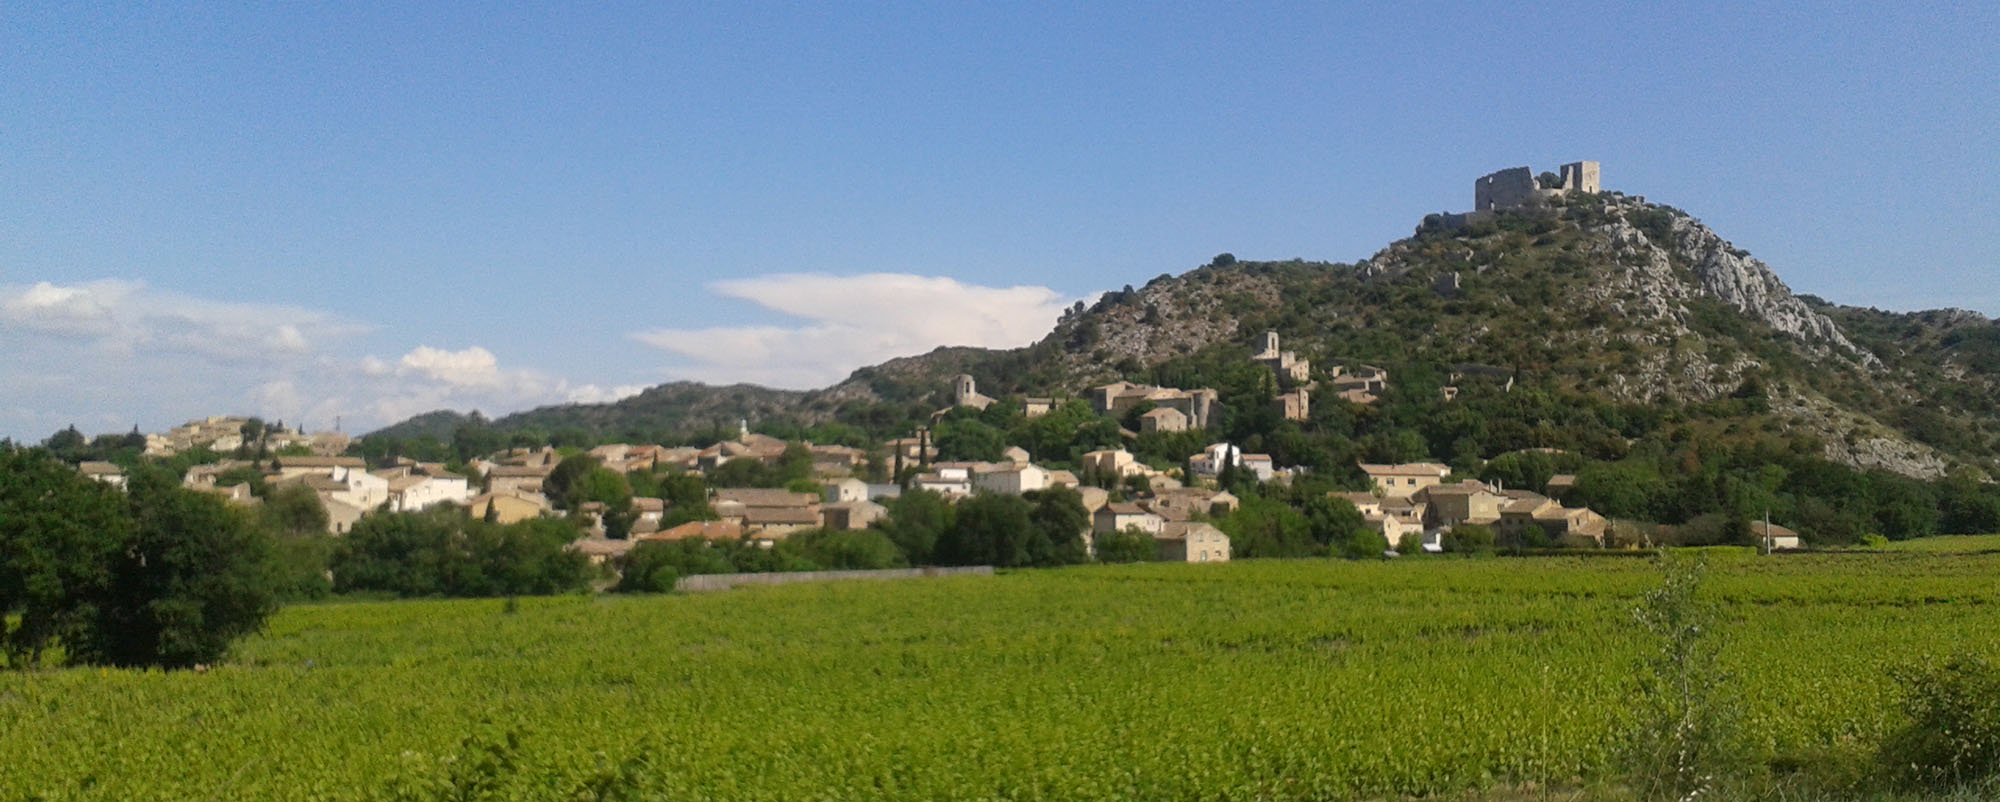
(1949, 543)
(1252, 680)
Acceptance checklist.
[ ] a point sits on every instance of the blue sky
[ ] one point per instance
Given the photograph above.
(368, 211)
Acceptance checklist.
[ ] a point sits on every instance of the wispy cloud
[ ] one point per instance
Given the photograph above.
(847, 322)
(118, 316)
(110, 353)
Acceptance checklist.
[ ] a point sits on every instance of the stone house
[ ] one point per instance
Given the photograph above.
(105, 472)
(300, 466)
(851, 514)
(1774, 537)
(1286, 364)
(1121, 515)
(1163, 419)
(769, 524)
(705, 530)
(517, 478)
(1116, 462)
(1393, 517)
(1210, 461)
(1405, 480)
(1191, 542)
(1180, 504)
(1467, 502)
(844, 490)
(1293, 405)
(1011, 480)
(767, 514)
(1200, 406)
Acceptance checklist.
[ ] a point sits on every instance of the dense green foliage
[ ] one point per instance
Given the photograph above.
(155, 575)
(1250, 680)
(442, 552)
(1952, 735)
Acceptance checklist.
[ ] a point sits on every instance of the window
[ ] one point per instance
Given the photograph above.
(1204, 556)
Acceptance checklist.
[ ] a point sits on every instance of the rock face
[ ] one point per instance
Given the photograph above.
(1729, 274)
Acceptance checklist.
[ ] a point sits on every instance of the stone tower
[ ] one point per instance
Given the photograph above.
(1580, 177)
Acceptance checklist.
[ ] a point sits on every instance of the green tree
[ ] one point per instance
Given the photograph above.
(989, 529)
(967, 438)
(1334, 521)
(917, 519)
(59, 533)
(1265, 527)
(195, 577)
(566, 474)
(68, 445)
(648, 568)
(1130, 545)
(1060, 520)
(846, 549)
(293, 510)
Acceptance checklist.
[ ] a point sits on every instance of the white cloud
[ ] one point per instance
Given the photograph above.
(112, 353)
(472, 367)
(128, 317)
(852, 321)
(593, 394)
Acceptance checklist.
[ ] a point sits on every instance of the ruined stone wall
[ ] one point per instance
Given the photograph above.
(1504, 189)
(1580, 177)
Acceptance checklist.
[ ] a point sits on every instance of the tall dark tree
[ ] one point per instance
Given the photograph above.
(195, 576)
(58, 535)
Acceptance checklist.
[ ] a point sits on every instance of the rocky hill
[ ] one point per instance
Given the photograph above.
(1595, 295)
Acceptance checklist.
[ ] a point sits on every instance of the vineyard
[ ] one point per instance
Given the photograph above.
(1252, 680)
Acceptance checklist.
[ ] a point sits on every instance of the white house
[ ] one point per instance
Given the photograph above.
(1119, 516)
(1210, 461)
(1012, 480)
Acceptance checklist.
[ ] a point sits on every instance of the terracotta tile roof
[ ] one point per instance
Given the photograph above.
(782, 516)
(321, 462)
(765, 497)
(1407, 469)
(710, 530)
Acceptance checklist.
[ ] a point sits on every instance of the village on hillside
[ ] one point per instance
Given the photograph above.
(1412, 507)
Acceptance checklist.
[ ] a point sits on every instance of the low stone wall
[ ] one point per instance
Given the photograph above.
(702, 583)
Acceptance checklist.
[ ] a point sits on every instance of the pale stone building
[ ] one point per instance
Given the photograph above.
(1286, 364)
(1011, 479)
(1163, 419)
(1191, 542)
(1403, 481)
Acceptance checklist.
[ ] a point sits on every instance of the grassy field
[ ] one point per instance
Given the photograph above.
(1948, 544)
(1252, 680)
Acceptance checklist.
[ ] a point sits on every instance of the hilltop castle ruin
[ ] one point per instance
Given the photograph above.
(1517, 186)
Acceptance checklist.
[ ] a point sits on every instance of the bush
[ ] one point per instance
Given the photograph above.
(648, 568)
(1129, 545)
(1469, 539)
(1952, 735)
(1684, 741)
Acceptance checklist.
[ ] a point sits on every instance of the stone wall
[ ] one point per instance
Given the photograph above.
(1516, 186)
(1504, 189)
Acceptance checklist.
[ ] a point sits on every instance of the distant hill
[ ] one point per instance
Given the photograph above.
(1598, 296)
